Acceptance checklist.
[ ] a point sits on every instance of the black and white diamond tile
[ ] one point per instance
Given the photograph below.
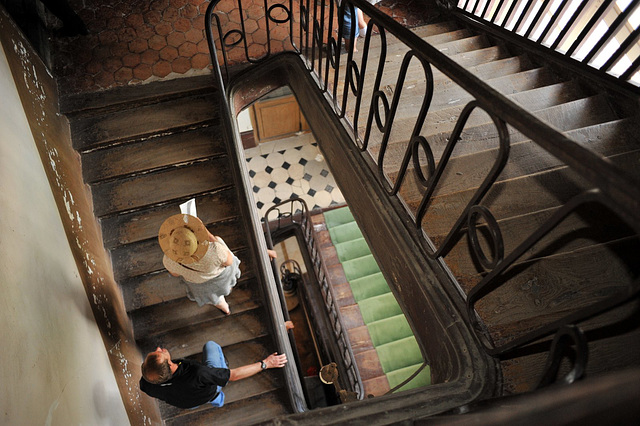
(291, 168)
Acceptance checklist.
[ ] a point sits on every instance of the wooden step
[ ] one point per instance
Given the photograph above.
(443, 122)
(565, 117)
(100, 129)
(492, 70)
(457, 96)
(261, 408)
(544, 290)
(591, 224)
(376, 386)
(159, 286)
(226, 331)
(433, 35)
(131, 96)
(517, 196)
(143, 257)
(394, 60)
(526, 80)
(449, 44)
(360, 339)
(468, 171)
(180, 313)
(526, 158)
(607, 334)
(152, 153)
(126, 228)
(369, 364)
(486, 70)
(422, 31)
(165, 185)
(533, 100)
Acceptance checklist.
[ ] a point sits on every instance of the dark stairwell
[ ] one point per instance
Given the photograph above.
(144, 153)
(583, 273)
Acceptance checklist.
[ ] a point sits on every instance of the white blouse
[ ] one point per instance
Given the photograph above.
(210, 266)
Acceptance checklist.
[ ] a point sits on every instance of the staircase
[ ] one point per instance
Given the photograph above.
(384, 346)
(588, 257)
(144, 151)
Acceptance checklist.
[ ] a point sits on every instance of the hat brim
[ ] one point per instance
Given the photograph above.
(186, 221)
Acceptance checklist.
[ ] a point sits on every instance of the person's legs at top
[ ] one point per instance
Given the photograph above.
(346, 29)
(212, 356)
(362, 24)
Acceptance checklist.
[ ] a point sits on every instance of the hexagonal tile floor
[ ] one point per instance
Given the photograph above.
(138, 41)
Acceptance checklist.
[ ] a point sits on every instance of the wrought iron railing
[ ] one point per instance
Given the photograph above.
(312, 34)
(600, 36)
(295, 213)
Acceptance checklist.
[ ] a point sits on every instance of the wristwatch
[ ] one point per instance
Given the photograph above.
(263, 365)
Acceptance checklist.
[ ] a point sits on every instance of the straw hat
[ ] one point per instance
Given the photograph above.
(183, 238)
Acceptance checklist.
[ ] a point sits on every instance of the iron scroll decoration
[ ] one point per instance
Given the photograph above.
(490, 282)
(390, 116)
(566, 335)
(504, 146)
(281, 7)
(494, 232)
(231, 33)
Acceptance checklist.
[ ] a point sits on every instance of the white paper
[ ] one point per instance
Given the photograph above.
(189, 207)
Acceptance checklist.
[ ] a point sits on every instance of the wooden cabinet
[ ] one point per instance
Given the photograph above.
(277, 118)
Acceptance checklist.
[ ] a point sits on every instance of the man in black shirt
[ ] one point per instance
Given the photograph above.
(187, 384)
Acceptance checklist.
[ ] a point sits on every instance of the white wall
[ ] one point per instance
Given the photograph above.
(55, 370)
(244, 121)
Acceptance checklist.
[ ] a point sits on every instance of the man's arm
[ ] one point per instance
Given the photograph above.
(273, 361)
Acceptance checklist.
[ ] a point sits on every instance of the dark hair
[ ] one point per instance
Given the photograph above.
(155, 370)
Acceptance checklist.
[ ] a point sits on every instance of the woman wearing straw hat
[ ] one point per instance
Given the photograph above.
(208, 268)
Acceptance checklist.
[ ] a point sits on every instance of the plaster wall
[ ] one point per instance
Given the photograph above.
(56, 370)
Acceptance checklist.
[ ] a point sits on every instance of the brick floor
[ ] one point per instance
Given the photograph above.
(138, 41)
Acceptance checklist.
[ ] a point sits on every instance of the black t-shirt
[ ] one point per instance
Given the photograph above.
(191, 385)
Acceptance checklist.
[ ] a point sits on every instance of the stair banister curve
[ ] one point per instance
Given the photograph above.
(312, 39)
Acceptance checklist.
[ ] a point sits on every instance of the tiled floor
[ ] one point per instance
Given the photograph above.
(292, 167)
(138, 41)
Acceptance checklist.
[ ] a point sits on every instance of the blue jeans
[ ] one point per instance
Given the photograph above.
(348, 21)
(213, 357)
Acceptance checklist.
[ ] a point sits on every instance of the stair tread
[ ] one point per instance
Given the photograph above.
(369, 364)
(468, 170)
(134, 95)
(443, 121)
(261, 408)
(546, 289)
(126, 228)
(135, 192)
(515, 197)
(174, 148)
(226, 331)
(183, 312)
(238, 355)
(95, 130)
(432, 35)
(376, 386)
(159, 286)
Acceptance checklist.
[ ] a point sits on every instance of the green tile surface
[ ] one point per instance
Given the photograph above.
(389, 329)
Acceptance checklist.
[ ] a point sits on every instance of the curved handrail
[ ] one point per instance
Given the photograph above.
(298, 215)
(616, 190)
(294, 386)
